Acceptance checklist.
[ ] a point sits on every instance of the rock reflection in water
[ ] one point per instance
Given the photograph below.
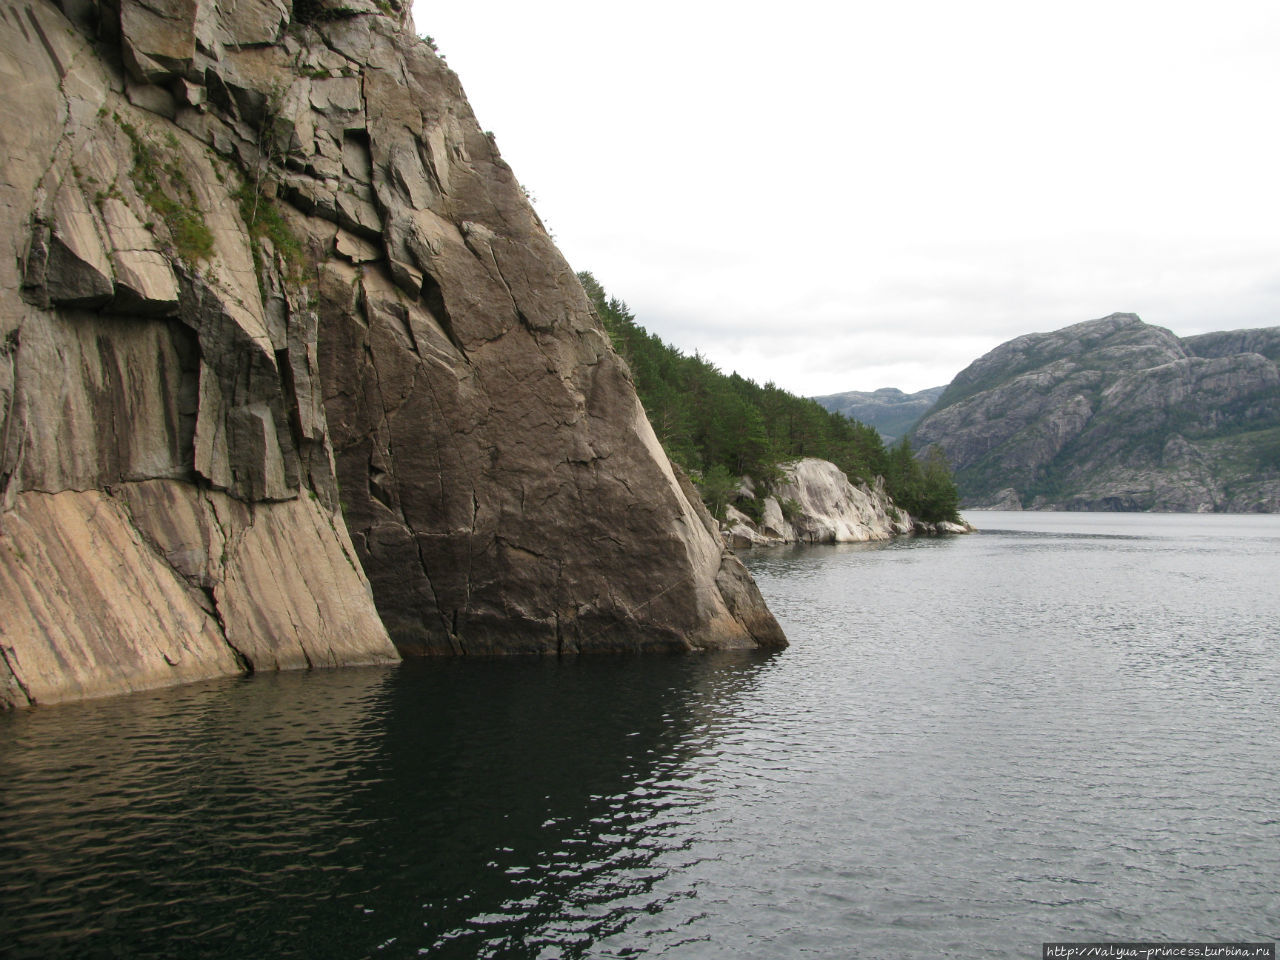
(552, 797)
(492, 808)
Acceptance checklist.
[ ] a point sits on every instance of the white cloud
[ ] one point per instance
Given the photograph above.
(872, 194)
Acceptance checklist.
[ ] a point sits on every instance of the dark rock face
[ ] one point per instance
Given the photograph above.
(506, 493)
(498, 475)
(285, 316)
(890, 411)
(1115, 414)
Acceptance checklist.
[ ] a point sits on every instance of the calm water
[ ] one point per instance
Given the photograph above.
(1063, 728)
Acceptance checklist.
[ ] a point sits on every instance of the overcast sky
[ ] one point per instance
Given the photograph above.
(846, 196)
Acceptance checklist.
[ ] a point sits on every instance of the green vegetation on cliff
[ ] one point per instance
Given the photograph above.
(719, 427)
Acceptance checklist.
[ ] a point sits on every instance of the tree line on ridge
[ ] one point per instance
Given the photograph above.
(720, 427)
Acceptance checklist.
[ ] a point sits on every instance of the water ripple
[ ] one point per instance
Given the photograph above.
(972, 746)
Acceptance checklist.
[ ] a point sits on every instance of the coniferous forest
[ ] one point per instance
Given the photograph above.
(720, 427)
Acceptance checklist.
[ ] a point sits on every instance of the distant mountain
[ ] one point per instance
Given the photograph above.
(890, 411)
(1115, 414)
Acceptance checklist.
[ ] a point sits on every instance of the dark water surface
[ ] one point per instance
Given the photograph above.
(1064, 728)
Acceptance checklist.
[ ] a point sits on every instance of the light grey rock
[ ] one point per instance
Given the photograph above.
(826, 508)
(78, 272)
(356, 249)
(150, 97)
(337, 95)
(145, 282)
(1006, 499)
(740, 532)
(253, 22)
(774, 524)
(361, 217)
(158, 38)
(356, 160)
(1230, 343)
(831, 509)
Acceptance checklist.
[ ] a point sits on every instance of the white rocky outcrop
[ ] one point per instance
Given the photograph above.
(824, 508)
(833, 510)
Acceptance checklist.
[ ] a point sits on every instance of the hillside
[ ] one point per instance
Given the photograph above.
(892, 412)
(723, 427)
(1116, 414)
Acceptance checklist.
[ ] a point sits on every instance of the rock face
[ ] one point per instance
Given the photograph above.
(890, 411)
(287, 320)
(1115, 414)
(823, 507)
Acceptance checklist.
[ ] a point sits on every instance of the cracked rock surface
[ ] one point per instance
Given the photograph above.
(290, 370)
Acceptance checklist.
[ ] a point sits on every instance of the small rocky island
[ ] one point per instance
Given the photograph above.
(291, 374)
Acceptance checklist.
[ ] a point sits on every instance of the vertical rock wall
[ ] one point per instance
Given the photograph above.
(168, 496)
(275, 315)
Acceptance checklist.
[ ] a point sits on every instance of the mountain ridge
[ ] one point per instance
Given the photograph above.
(889, 410)
(1116, 414)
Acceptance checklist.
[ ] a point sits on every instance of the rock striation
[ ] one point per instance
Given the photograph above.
(1115, 414)
(292, 375)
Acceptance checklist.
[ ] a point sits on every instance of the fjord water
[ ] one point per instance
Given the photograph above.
(1065, 727)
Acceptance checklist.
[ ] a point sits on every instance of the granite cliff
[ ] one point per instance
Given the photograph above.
(292, 375)
(1115, 414)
